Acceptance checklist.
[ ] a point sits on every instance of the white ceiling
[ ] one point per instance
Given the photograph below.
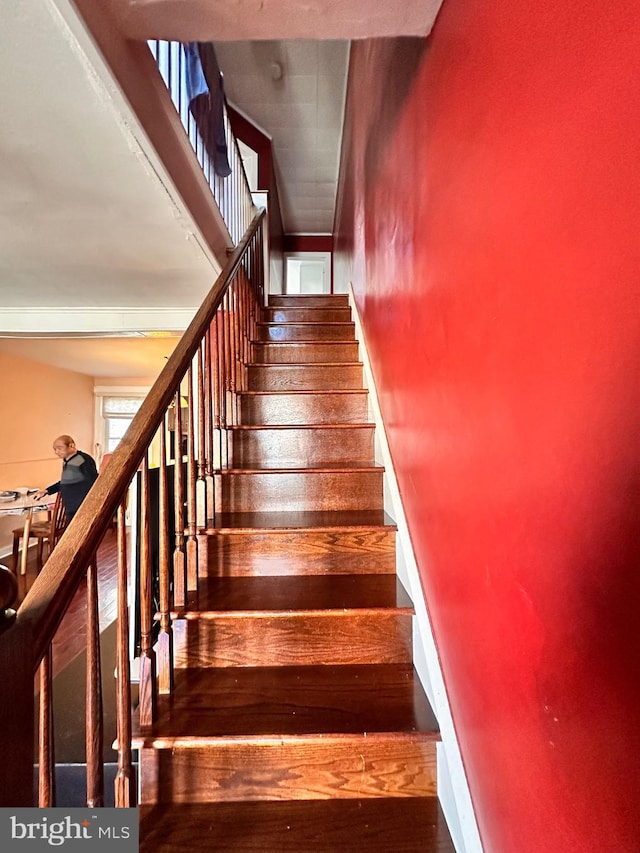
(123, 358)
(301, 110)
(92, 232)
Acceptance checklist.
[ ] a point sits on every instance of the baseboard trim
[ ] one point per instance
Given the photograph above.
(453, 789)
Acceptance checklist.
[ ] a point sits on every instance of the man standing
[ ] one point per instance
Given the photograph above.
(79, 473)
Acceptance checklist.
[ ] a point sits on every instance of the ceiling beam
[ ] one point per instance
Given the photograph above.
(239, 20)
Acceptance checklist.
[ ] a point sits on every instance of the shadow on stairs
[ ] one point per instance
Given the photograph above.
(297, 722)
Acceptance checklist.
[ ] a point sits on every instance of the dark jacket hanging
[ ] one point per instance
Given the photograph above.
(205, 91)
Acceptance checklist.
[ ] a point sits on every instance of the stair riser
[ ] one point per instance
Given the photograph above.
(293, 639)
(306, 332)
(303, 448)
(304, 353)
(307, 315)
(302, 553)
(303, 408)
(327, 768)
(309, 491)
(329, 300)
(295, 377)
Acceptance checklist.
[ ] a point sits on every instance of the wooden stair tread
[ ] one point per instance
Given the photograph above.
(359, 425)
(283, 300)
(297, 593)
(318, 701)
(377, 825)
(305, 323)
(310, 341)
(323, 392)
(274, 468)
(267, 365)
(313, 521)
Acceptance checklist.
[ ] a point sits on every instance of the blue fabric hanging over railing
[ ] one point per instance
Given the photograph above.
(205, 90)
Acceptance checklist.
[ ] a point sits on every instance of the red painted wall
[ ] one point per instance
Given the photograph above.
(488, 218)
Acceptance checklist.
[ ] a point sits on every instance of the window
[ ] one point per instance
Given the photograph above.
(116, 413)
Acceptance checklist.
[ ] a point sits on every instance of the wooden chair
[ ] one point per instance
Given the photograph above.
(47, 533)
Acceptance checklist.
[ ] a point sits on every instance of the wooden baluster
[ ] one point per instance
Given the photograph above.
(256, 308)
(246, 311)
(228, 357)
(46, 747)
(217, 403)
(192, 543)
(94, 719)
(164, 646)
(248, 316)
(222, 373)
(239, 344)
(233, 300)
(241, 337)
(148, 684)
(237, 289)
(179, 562)
(124, 783)
(201, 486)
(260, 273)
(209, 397)
(251, 261)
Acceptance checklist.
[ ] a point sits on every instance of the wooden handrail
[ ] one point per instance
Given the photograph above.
(46, 602)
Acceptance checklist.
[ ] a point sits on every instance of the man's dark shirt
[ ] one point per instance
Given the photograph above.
(79, 473)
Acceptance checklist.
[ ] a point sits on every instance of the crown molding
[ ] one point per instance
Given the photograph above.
(95, 322)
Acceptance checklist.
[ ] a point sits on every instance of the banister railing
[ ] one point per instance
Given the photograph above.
(232, 193)
(207, 371)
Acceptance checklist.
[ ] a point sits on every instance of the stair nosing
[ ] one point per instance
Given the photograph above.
(210, 615)
(311, 341)
(337, 469)
(305, 323)
(323, 392)
(323, 528)
(165, 741)
(305, 363)
(389, 525)
(345, 425)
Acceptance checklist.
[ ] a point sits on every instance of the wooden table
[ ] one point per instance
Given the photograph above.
(26, 504)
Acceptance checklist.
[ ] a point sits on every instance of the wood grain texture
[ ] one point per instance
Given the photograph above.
(275, 638)
(303, 407)
(289, 701)
(306, 331)
(302, 553)
(294, 593)
(307, 315)
(312, 522)
(353, 767)
(304, 446)
(294, 491)
(304, 377)
(236, 550)
(333, 300)
(376, 825)
(304, 353)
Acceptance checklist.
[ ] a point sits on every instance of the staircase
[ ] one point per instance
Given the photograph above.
(297, 722)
